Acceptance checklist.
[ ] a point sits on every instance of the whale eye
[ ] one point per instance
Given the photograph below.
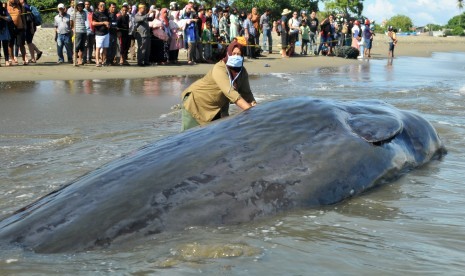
(375, 128)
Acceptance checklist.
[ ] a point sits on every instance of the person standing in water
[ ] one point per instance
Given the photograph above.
(227, 82)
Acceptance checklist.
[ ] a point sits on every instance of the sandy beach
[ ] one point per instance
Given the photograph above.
(47, 68)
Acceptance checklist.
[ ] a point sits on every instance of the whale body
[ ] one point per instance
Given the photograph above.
(282, 155)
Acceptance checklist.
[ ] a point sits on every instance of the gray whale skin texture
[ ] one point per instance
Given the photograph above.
(281, 155)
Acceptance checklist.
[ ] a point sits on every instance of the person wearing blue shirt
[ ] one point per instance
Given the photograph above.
(250, 32)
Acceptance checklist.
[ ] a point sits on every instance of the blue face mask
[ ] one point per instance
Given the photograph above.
(235, 61)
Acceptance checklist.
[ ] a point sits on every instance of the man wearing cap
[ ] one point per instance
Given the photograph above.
(63, 34)
(285, 32)
(367, 36)
(79, 23)
(101, 23)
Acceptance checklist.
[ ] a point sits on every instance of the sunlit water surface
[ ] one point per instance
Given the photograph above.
(54, 131)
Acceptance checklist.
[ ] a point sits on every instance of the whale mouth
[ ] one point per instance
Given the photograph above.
(377, 129)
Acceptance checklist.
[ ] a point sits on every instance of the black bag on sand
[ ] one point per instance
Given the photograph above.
(346, 52)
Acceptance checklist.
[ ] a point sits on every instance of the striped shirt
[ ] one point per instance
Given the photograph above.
(80, 22)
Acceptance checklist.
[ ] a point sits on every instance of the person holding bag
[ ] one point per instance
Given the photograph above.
(18, 31)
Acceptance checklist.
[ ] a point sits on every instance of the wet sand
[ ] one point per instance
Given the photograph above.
(48, 69)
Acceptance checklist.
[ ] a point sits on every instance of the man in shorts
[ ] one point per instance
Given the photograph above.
(285, 32)
(367, 38)
(79, 21)
(101, 23)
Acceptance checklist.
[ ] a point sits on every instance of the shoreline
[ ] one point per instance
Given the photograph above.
(47, 68)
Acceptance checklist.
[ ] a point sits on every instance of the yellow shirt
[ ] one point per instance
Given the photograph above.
(209, 94)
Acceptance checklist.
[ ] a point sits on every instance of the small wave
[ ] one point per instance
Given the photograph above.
(402, 91)
(449, 124)
(462, 90)
(28, 195)
(321, 86)
(280, 75)
(26, 142)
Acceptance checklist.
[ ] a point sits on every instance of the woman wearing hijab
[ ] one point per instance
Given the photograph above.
(160, 39)
(208, 98)
(176, 41)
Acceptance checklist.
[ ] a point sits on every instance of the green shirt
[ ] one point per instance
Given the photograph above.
(206, 35)
(305, 32)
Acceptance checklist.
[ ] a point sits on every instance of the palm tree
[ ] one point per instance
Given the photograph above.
(460, 6)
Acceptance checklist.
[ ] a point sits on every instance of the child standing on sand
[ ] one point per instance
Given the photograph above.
(305, 34)
(207, 40)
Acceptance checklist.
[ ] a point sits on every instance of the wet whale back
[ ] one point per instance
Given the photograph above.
(277, 156)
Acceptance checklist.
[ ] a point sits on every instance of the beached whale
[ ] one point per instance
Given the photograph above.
(281, 155)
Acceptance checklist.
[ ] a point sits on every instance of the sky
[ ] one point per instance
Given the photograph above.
(421, 12)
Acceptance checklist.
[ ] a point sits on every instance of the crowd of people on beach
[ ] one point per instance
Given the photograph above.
(107, 35)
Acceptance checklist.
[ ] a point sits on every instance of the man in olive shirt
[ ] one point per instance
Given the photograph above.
(228, 82)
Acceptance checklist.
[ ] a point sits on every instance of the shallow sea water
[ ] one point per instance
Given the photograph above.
(54, 131)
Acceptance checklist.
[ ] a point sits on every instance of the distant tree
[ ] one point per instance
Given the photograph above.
(457, 30)
(400, 22)
(276, 6)
(347, 7)
(379, 29)
(44, 4)
(434, 27)
(458, 20)
(261, 5)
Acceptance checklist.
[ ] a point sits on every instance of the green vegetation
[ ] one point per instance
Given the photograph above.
(277, 6)
(434, 27)
(347, 7)
(400, 22)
